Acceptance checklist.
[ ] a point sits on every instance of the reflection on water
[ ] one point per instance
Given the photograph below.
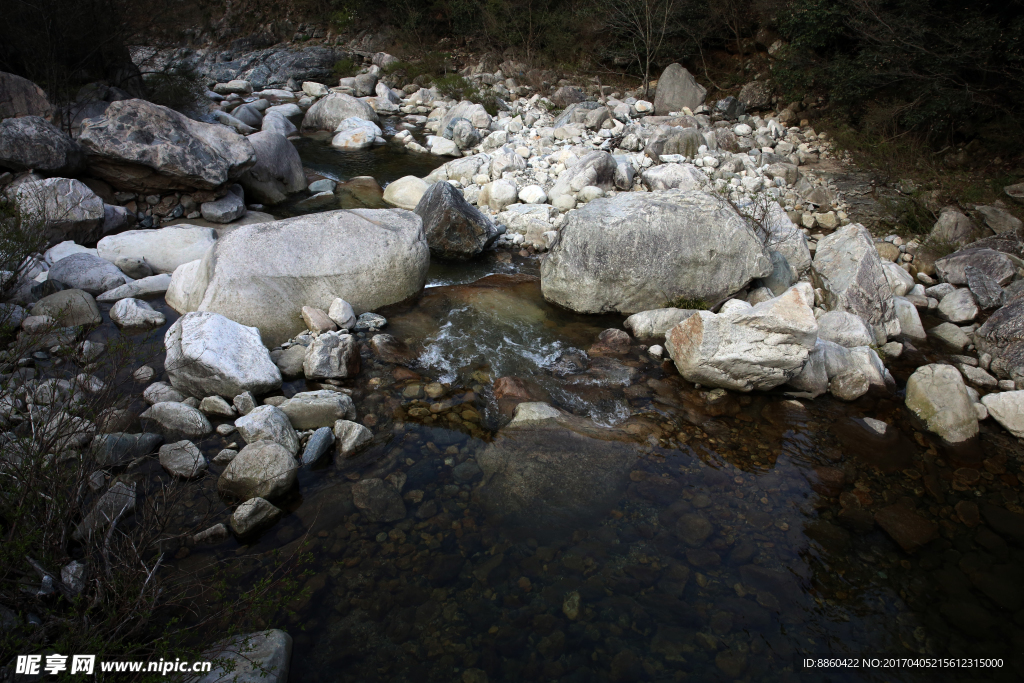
(386, 163)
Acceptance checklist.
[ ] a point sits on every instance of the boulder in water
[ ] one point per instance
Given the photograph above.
(263, 274)
(277, 172)
(455, 229)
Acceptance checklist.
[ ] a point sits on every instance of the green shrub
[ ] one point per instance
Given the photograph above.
(343, 68)
(688, 303)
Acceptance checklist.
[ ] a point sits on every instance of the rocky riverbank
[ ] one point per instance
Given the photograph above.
(725, 237)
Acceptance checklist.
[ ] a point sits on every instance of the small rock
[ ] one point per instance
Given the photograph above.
(253, 515)
(317, 445)
(183, 459)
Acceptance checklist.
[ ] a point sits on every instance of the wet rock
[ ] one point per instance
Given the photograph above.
(333, 355)
(849, 271)
(264, 468)
(731, 663)
(263, 274)
(905, 526)
(586, 268)
(378, 500)
(118, 448)
(611, 341)
(455, 229)
(317, 445)
(1009, 525)
(176, 421)
(253, 515)
(466, 472)
(262, 657)
(210, 354)
(315, 409)
(351, 437)
(139, 146)
(183, 459)
(555, 473)
(387, 349)
(937, 396)
(760, 348)
(694, 530)
(69, 307)
(1007, 408)
(268, 423)
(290, 361)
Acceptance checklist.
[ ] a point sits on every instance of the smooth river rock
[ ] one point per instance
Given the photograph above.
(937, 396)
(263, 274)
(639, 251)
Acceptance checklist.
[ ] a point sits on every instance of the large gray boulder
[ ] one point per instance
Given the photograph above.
(140, 146)
(938, 398)
(849, 271)
(759, 348)
(329, 111)
(21, 97)
(32, 142)
(277, 172)
(209, 354)
(263, 468)
(163, 250)
(639, 251)
(263, 274)
(455, 229)
(87, 272)
(61, 208)
(596, 168)
(677, 88)
(553, 474)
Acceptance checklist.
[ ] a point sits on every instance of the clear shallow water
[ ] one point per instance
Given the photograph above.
(743, 539)
(386, 163)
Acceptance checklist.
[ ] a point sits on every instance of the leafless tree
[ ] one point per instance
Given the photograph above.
(645, 24)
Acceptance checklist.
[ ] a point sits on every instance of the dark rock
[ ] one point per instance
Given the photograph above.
(906, 526)
(466, 472)
(986, 290)
(21, 97)
(319, 444)
(551, 477)
(567, 95)
(111, 450)
(1009, 525)
(31, 142)
(756, 95)
(445, 569)
(455, 229)
(1002, 336)
(730, 108)
(387, 349)
(378, 500)
(611, 341)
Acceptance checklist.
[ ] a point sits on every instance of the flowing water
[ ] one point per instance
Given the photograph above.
(739, 537)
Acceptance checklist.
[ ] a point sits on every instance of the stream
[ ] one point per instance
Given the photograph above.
(741, 541)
